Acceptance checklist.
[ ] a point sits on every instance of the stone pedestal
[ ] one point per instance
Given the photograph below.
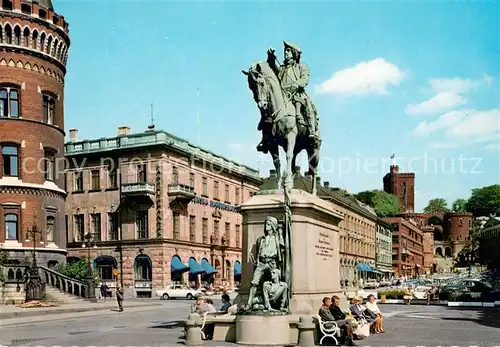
(263, 330)
(314, 244)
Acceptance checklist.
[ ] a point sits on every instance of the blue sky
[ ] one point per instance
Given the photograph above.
(420, 80)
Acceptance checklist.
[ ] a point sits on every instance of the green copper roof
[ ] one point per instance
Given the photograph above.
(157, 138)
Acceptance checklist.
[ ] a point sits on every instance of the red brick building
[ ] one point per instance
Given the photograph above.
(34, 46)
(407, 247)
(403, 186)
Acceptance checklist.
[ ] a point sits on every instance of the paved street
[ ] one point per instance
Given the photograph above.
(162, 325)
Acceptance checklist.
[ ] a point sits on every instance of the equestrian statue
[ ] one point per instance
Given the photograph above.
(289, 119)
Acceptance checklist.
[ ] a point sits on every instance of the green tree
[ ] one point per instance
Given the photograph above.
(436, 206)
(383, 203)
(458, 205)
(77, 270)
(484, 201)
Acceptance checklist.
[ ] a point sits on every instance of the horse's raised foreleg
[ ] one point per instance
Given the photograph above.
(313, 159)
(275, 154)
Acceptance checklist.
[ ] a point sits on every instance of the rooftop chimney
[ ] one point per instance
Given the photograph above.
(318, 180)
(151, 128)
(123, 130)
(73, 134)
(326, 184)
(272, 173)
(297, 169)
(307, 175)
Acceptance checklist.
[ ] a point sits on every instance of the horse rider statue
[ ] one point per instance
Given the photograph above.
(293, 76)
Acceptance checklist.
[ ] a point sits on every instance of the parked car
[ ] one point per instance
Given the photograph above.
(371, 283)
(178, 291)
(465, 290)
(385, 283)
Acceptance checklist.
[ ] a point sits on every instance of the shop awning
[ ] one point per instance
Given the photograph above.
(194, 267)
(176, 265)
(385, 270)
(364, 267)
(375, 271)
(237, 269)
(209, 269)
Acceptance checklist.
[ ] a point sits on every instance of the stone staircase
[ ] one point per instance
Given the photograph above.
(55, 295)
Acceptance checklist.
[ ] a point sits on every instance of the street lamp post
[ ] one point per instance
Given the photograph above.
(87, 243)
(35, 289)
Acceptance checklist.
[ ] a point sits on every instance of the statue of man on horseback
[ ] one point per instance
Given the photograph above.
(293, 76)
(288, 117)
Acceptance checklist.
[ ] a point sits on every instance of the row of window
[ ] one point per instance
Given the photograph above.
(25, 38)
(12, 228)
(141, 176)
(10, 102)
(11, 163)
(27, 9)
(142, 228)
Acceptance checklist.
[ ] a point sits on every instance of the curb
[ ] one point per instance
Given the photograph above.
(35, 312)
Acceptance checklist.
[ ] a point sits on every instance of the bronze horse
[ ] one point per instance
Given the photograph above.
(283, 130)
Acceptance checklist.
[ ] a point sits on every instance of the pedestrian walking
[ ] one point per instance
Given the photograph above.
(104, 290)
(119, 297)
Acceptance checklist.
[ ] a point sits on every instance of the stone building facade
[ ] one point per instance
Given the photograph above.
(34, 45)
(489, 247)
(383, 260)
(407, 247)
(157, 208)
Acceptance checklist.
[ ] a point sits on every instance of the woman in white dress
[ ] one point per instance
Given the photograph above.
(373, 307)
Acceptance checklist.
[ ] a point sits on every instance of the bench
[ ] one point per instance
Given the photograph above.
(328, 329)
(207, 319)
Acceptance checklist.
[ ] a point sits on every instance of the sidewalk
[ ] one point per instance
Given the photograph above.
(13, 311)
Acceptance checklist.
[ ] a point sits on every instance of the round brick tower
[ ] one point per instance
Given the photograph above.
(34, 46)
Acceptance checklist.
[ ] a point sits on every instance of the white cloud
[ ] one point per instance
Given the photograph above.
(495, 146)
(366, 77)
(463, 127)
(453, 85)
(440, 102)
(464, 142)
(449, 93)
(480, 123)
(447, 120)
(459, 85)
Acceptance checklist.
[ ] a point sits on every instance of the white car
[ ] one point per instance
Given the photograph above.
(371, 284)
(177, 291)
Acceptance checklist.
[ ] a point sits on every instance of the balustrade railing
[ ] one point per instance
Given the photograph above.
(62, 282)
(13, 273)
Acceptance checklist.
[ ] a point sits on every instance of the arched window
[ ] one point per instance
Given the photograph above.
(42, 41)
(34, 41)
(26, 37)
(9, 102)
(10, 160)
(17, 35)
(8, 34)
(11, 226)
(49, 45)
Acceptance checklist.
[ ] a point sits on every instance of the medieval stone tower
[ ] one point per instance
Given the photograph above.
(403, 186)
(34, 46)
